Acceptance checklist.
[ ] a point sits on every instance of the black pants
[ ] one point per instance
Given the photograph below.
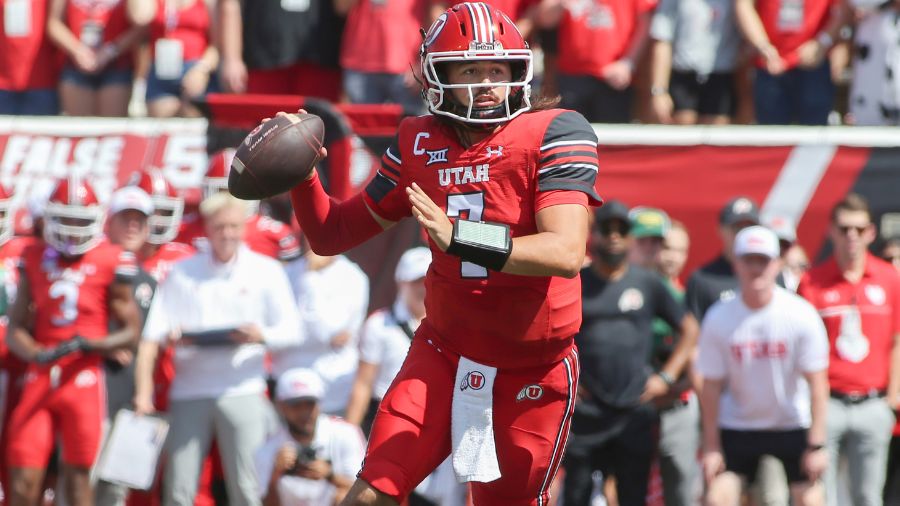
(892, 483)
(595, 99)
(618, 442)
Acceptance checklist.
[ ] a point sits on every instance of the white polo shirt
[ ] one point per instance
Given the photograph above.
(335, 440)
(762, 355)
(330, 300)
(383, 343)
(202, 294)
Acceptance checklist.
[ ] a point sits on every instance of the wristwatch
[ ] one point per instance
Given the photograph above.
(666, 377)
(657, 91)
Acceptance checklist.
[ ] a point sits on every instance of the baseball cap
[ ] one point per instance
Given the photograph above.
(612, 210)
(756, 240)
(737, 210)
(783, 228)
(299, 384)
(130, 197)
(649, 222)
(413, 265)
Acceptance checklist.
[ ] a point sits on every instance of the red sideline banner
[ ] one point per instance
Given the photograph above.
(36, 151)
(793, 173)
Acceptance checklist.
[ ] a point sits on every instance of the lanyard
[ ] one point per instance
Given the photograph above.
(171, 15)
(404, 326)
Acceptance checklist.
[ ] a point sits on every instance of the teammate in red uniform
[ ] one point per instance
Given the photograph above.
(504, 298)
(264, 235)
(68, 291)
(160, 250)
(12, 368)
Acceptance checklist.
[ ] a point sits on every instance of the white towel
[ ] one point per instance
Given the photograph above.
(472, 423)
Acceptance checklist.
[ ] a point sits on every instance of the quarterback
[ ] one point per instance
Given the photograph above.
(502, 185)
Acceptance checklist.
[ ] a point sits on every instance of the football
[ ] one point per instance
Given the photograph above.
(275, 156)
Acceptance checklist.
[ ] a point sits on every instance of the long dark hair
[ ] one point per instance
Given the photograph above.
(544, 102)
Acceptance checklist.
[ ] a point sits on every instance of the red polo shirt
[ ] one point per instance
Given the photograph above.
(861, 318)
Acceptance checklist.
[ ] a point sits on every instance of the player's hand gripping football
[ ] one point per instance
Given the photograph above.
(323, 153)
(430, 216)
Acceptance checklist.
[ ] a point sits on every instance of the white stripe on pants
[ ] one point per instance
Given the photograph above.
(240, 425)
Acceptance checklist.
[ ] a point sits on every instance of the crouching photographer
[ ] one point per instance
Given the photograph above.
(313, 459)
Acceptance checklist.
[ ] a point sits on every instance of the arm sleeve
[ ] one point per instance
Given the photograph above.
(331, 227)
(384, 194)
(662, 27)
(568, 157)
(282, 325)
(711, 358)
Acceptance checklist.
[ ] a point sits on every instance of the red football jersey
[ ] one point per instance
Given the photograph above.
(10, 254)
(263, 235)
(191, 228)
(161, 261)
(536, 160)
(595, 33)
(861, 319)
(71, 296)
(271, 238)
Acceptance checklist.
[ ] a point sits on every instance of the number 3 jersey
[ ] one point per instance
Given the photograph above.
(535, 161)
(71, 295)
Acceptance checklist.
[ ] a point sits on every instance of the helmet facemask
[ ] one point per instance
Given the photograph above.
(73, 230)
(166, 219)
(439, 95)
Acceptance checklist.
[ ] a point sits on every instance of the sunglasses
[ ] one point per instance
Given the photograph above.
(844, 229)
(891, 258)
(610, 226)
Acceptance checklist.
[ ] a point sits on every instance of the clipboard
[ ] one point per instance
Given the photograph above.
(130, 454)
(214, 337)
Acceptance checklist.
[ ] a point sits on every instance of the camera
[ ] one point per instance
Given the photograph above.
(305, 455)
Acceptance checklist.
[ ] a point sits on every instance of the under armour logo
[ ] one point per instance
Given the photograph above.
(474, 380)
(437, 156)
(498, 151)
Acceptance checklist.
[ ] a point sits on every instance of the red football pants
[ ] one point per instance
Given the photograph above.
(532, 409)
(70, 403)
